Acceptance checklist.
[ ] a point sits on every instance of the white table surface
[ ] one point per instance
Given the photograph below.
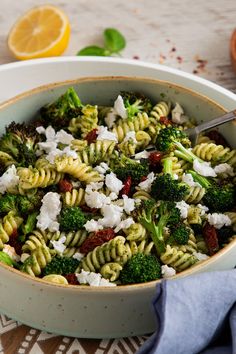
(180, 34)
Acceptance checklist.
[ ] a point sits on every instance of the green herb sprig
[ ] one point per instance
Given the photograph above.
(114, 42)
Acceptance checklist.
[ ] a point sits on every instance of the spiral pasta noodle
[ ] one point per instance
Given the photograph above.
(195, 195)
(37, 261)
(111, 271)
(74, 198)
(178, 259)
(75, 168)
(215, 153)
(42, 177)
(97, 152)
(122, 127)
(8, 225)
(161, 109)
(108, 252)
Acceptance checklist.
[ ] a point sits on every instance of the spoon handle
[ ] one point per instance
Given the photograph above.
(215, 122)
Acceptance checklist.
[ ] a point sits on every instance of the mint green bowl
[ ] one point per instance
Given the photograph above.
(91, 312)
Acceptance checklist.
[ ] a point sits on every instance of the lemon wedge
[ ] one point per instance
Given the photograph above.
(43, 31)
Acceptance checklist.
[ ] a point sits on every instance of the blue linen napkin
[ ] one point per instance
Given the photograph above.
(195, 314)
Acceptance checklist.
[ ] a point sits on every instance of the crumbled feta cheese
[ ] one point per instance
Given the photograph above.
(11, 252)
(63, 137)
(167, 271)
(47, 146)
(50, 133)
(177, 114)
(130, 136)
(93, 186)
(9, 179)
(110, 118)
(113, 183)
(59, 244)
(93, 279)
(40, 130)
(95, 199)
(57, 152)
(142, 155)
(129, 204)
(146, 185)
(203, 168)
(78, 256)
(111, 215)
(50, 209)
(102, 168)
(92, 226)
(204, 209)
(188, 179)
(218, 220)
(104, 134)
(124, 224)
(200, 256)
(183, 208)
(24, 256)
(113, 196)
(119, 107)
(224, 168)
(175, 176)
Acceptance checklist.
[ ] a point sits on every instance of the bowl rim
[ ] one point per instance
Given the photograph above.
(128, 287)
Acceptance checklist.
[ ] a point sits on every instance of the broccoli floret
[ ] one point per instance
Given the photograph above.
(72, 219)
(8, 202)
(179, 234)
(61, 265)
(224, 234)
(135, 102)
(217, 198)
(125, 167)
(30, 223)
(165, 187)
(60, 112)
(172, 139)
(140, 268)
(28, 204)
(20, 141)
(155, 218)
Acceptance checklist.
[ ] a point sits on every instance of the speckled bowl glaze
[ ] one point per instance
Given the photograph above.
(91, 312)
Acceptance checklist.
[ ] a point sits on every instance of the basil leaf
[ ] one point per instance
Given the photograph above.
(114, 40)
(93, 50)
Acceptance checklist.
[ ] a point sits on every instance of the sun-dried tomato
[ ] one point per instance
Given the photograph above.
(155, 158)
(164, 120)
(217, 137)
(127, 186)
(211, 239)
(71, 278)
(97, 239)
(91, 136)
(65, 186)
(143, 178)
(14, 242)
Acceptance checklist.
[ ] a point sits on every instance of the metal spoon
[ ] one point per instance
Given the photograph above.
(194, 132)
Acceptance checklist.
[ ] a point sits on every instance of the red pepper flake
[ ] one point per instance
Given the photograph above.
(127, 186)
(173, 49)
(136, 57)
(165, 120)
(143, 178)
(65, 186)
(195, 71)
(97, 239)
(72, 279)
(91, 136)
(179, 59)
(211, 239)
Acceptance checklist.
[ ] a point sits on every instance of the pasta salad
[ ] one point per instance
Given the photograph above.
(113, 195)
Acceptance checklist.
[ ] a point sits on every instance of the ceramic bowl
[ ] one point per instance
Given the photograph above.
(91, 312)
